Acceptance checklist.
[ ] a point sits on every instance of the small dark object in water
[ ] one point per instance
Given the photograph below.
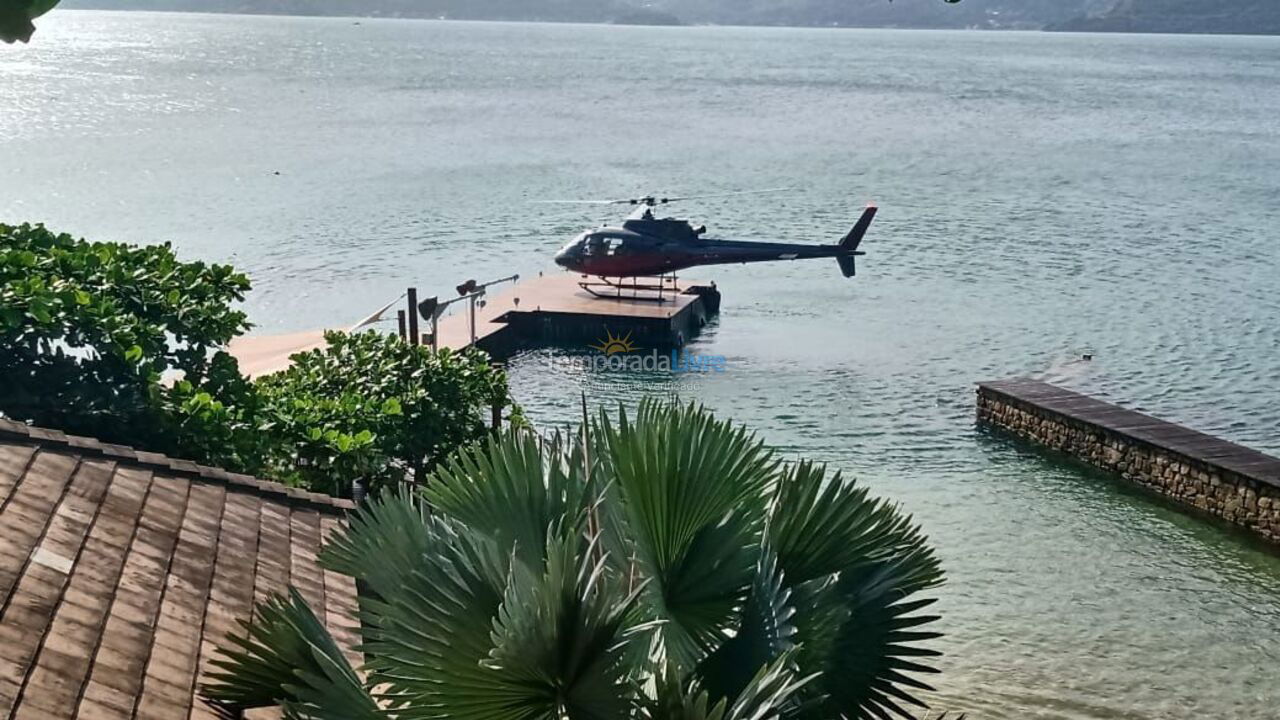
(1087, 357)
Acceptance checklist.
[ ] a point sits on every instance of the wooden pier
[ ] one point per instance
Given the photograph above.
(1211, 475)
(547, 309)
(553, 309)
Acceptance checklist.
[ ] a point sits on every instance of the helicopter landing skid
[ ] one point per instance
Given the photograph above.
(663, 290)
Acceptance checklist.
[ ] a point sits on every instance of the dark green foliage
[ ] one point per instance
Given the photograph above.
(395, 528)
(88, 329)
(16, 17)
(690, 501)
(371, 406)
(522, 491)
(764, 633)
(292, 661)
(214, 421)
(637, 572)
(123, 344)
(820, 525)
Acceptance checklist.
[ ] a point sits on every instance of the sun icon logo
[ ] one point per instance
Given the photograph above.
(613, 345)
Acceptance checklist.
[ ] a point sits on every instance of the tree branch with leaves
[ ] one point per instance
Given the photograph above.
(16, 17)
(127, 344)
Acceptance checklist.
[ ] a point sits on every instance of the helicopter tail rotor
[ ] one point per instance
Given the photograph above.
(849, 245)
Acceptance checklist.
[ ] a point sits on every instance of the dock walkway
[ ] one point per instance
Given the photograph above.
(546, 308)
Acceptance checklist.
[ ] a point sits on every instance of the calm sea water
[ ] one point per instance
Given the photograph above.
(1042, 196)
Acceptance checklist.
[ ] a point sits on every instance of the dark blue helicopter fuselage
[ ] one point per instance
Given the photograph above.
(648, 246)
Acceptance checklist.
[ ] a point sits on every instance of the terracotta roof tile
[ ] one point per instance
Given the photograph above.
(122, 572)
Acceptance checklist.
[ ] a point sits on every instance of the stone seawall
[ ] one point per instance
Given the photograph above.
(1209, 474)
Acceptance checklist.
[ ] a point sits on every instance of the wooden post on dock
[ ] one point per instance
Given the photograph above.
(414, 337)
(473, 318)
(400, 323)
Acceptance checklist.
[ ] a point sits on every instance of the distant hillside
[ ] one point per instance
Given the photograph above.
(1178, 16)
(853, 13)
(1181, 16)
(535, 10)
(647, 16)
(996, 14)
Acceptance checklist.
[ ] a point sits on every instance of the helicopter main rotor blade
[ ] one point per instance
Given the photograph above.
(581, 202)
(654, 201)
(728, 194)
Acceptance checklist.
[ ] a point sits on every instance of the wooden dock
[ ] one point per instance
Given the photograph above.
(553, 309)
(1212, 475)
(547, 309)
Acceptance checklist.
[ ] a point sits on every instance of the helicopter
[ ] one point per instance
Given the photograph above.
(647, 246)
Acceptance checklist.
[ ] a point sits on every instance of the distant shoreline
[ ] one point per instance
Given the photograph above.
(1060, 29)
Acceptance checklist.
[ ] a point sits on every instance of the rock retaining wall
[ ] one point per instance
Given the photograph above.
(1211, 475)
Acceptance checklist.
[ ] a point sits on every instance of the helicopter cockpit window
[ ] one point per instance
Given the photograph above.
(601, 245)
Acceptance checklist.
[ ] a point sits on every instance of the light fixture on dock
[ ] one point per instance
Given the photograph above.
(427, 308)
(432, 308)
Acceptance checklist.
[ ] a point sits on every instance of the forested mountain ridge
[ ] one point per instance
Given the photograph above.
(1218, 16)
(1026, 14)
(1260, 17)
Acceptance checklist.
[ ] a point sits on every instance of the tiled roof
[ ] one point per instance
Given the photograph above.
(122, 571)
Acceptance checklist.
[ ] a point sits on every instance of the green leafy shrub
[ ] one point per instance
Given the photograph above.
(217, 421)
(666, 567)
(88, 329)
(124, 344)
(16, 17)
(372, 406)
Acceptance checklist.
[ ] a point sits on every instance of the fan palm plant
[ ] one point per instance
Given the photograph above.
(663, 567)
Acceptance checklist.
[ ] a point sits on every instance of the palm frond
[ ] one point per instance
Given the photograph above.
(869, 672)
(820, 527)
(381, 543)
(512, 488)
(427, 642)
(686, 493)
(675, 699)
(770, 692)
(558, 640)
(821, 612)
(768, 695)
(764, 633)
(288, 658)
(663, 566)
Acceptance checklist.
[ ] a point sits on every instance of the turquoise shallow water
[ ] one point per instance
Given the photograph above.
(1042, 196)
